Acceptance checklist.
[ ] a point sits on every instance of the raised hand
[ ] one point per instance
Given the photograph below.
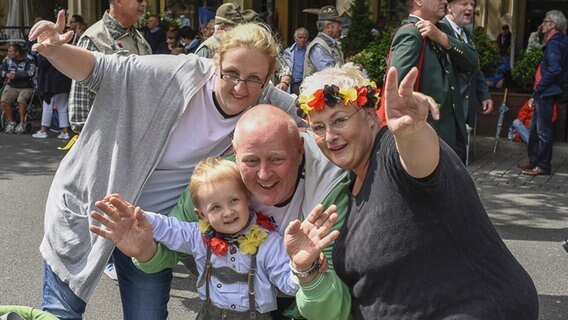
(304, 241)
(407, 113)
(126, 226)
(406, 110)
(50, 35)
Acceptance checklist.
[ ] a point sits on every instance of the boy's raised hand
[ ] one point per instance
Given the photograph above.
(126, 226)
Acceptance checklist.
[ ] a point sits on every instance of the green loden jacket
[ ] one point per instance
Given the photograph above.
(473, 87)
(438, 75)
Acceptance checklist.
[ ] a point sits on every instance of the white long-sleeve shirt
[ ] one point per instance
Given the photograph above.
(272, 263)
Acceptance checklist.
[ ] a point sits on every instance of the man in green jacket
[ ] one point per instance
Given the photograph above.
(437, 61)
(287, 176)
(473, 87)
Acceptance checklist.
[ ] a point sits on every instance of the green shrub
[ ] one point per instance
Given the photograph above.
(488, 55)
(525, 68)
(374, 57)
(359, 35)
(165, 22)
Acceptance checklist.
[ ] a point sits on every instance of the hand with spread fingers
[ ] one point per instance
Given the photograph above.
(50, 35)
(304, 241)
(126, 226)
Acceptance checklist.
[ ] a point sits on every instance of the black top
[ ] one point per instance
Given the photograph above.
(51, 81)
(157, 41)
(425, 248)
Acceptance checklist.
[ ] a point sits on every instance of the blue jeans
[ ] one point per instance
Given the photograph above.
(540, 133)
(58, 299)
(521, 129)
(143, 295)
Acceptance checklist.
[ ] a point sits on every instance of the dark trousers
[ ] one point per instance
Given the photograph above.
(461, 145)
(540, 133)
(295, 88)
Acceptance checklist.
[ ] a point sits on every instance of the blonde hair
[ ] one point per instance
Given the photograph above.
(345, 77)
(252, 36)
(213, 170)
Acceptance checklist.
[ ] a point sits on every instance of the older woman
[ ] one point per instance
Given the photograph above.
(154, 118)
(417, 243)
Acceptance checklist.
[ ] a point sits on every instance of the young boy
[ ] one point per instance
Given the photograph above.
(241, 262)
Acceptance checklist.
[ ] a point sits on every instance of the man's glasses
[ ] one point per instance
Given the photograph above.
(546, 21)
(319, 128)
(234, 78)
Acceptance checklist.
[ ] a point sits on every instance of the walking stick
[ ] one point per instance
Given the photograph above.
(502, 110)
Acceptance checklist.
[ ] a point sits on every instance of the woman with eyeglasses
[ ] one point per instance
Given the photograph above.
(153, 119)
(417, 242)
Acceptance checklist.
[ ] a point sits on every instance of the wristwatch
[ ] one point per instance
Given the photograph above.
(305, 274)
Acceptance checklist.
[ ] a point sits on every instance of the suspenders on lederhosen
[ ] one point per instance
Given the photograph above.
(228, 275)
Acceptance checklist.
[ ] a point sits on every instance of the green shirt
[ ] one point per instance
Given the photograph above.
(26, 313)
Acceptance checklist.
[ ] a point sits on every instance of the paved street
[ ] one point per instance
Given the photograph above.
(529, 213)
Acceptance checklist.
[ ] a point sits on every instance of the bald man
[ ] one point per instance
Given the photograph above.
(287, 176)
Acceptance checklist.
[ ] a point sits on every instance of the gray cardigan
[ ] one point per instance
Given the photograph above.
(139, 103)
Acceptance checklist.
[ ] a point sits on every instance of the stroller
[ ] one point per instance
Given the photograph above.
(33, 112)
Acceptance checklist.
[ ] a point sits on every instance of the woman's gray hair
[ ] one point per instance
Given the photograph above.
(558, 18)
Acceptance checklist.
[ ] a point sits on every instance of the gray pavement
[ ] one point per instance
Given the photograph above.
(529, 213)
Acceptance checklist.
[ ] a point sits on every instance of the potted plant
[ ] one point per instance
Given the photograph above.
(359, 35)
(488, 54)
(374, 57)
(525, 68)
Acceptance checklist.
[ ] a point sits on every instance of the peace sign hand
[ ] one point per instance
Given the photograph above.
(406, 110)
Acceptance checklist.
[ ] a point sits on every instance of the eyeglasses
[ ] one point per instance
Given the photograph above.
(319, 128)
(546, 21)
(234, 78)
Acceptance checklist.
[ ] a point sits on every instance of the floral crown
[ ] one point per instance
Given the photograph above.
(330, 95)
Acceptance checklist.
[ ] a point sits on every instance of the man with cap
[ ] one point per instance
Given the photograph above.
(114, 33)
(325, 51)
(227, 16)
(473, 86)
(423, 42)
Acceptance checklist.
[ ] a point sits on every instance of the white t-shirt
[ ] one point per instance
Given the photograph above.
(202, 132)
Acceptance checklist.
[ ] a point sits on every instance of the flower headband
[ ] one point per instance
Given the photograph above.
(331, 95)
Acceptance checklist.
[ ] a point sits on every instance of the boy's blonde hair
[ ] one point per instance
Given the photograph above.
(252, 36)
(213, 170)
